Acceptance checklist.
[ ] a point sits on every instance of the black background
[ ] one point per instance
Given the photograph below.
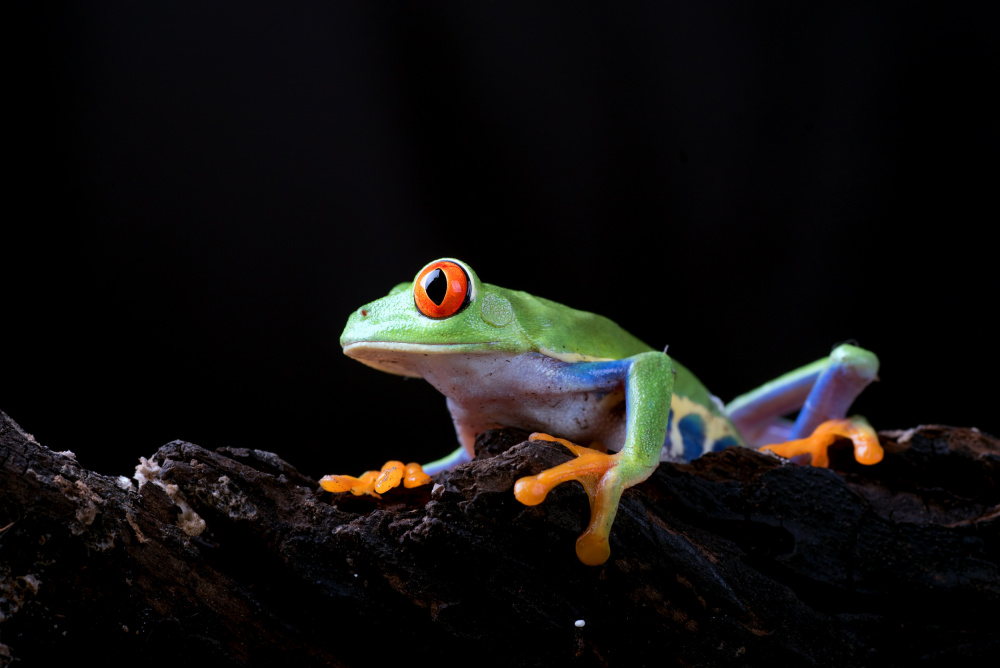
(203, 192)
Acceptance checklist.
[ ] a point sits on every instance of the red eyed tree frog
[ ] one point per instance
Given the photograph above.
(506, 358)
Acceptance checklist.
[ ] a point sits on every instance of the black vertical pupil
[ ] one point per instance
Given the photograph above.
(435, 284)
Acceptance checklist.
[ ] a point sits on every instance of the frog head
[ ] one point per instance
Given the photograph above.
(446, 310)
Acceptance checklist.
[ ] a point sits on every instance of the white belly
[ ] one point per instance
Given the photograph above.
(486, 391)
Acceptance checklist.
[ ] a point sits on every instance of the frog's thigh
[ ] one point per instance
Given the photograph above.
(823, 390)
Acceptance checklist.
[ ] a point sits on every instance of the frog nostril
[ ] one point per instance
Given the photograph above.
(364, 313)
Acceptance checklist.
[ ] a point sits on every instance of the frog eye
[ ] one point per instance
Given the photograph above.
(441, 290)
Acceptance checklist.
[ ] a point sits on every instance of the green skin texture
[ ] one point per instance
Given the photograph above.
(511, 323)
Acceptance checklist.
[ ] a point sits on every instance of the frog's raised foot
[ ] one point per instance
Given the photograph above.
(379, 482)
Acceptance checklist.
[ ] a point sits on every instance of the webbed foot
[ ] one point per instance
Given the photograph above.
(867, 449)
(599, 474)
(376, 483)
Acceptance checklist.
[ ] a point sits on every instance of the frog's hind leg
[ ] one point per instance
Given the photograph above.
(823, 392)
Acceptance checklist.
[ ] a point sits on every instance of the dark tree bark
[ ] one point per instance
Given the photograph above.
(232, 557)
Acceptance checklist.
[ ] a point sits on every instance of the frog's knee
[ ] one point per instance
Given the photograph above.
(857, 361)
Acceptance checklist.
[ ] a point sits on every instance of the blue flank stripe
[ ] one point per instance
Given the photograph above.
(692, 429)
(593, 376)
(725, 442)
(668, 442)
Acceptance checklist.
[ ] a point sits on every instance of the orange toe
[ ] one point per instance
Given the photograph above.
(379, 482)
(356, 486)
(414, 476)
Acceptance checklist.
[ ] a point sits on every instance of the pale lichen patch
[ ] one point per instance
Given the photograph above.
(902, 436)
(231, 499)
(135, 527)
(87, 502)
(146, 471)
(187, 520)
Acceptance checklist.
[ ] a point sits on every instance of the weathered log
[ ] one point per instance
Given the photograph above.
(233, 557)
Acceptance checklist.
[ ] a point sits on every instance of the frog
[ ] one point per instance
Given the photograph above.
(505, 358)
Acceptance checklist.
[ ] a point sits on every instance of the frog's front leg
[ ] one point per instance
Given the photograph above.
(410, 475)
(824, 392)
(648, 379)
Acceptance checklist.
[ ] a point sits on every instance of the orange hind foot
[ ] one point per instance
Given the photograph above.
(867, 449)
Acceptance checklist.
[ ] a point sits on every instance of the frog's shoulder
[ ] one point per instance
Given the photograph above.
(567, 333)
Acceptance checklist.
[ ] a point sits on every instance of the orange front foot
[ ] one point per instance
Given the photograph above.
(377, 482)
(598, 473)
(867, 449)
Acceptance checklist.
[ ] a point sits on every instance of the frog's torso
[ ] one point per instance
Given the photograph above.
(535, 392)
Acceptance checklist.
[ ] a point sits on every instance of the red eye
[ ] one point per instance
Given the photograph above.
(441, 290)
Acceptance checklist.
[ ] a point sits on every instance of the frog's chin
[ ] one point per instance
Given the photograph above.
(406, 359)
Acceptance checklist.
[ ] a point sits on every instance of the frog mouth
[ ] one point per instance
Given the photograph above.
(354, 347)
(403, 359)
